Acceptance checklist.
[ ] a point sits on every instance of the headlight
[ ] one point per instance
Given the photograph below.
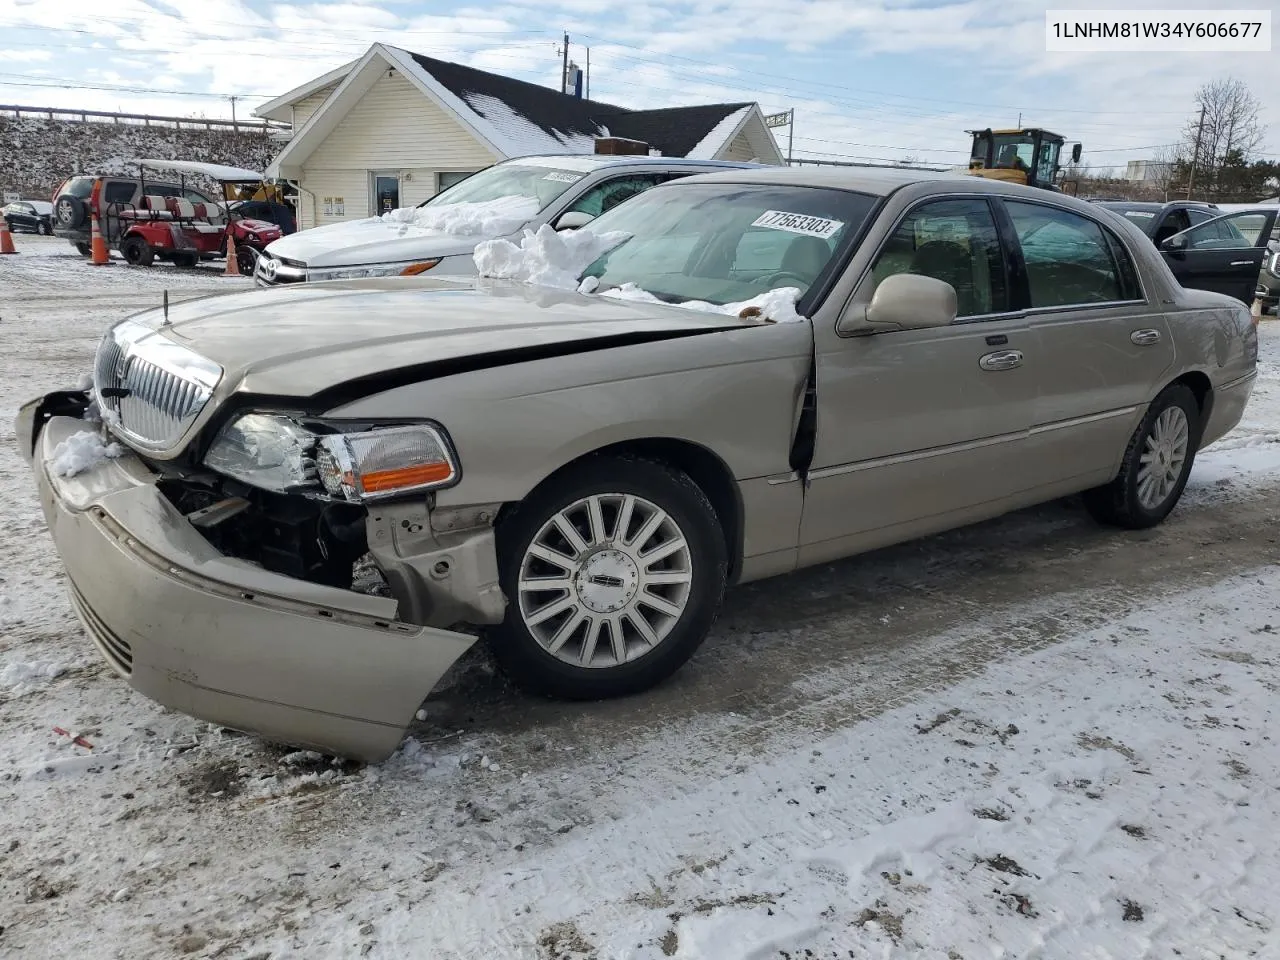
(1273, 265)
(266, 451)
(275, 452)
(376, 464)
(375, 270)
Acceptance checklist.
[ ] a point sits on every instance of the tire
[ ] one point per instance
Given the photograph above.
(136, 251)
(186, 260)
(70, 212)
(246, 259)
(45, 229)
(1129, 500)
(83, 249)
(693, 581)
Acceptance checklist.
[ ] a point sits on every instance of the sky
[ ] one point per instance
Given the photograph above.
(869, 80)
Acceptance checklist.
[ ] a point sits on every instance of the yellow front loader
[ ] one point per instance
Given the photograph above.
(1029, 156)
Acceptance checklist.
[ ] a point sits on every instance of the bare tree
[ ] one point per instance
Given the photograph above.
(1226, 126)
(1166, 168)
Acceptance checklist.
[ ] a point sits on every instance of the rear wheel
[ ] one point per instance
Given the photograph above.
(136, 251)
(1156, 464)
(246, 259)
(45, 229)
(83, 249)
(186, 260)
(613, 575)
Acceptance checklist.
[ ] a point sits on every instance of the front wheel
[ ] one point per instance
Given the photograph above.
(613, 575)
(136, 251)
(1156, 464)
(186, 261)
(246, 259)
(83, 249)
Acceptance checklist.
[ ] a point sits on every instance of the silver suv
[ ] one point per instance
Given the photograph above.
(564, 191)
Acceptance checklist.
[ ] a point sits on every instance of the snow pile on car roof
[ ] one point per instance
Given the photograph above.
(82, 451)
(777, 306)
(547, 258)
(483, 218)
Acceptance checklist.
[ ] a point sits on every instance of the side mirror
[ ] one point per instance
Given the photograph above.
(1177, 242)
(1075, 152)
(573, 220)
(904, 301)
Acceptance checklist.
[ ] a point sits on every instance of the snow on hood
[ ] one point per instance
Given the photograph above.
(81, 452)
(547, 258)
(778, 306)
(551, 258)
(440, 230)
(483, 218)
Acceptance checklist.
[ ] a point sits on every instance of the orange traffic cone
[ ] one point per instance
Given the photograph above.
(6, 238)
(98, 246)
(233, 265)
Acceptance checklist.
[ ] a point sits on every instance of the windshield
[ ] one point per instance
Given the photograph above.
(541, 182)
(725, 242)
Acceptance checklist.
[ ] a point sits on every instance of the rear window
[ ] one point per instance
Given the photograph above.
(118, 191)
(78, 187)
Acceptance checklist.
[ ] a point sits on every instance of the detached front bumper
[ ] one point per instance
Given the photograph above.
(216, 637)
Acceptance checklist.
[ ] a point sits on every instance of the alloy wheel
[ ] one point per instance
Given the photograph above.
(1163, 455)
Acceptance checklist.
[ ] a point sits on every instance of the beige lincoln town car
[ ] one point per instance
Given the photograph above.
(578, 477)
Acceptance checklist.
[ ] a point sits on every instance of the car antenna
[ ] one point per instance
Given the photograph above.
(166, 307)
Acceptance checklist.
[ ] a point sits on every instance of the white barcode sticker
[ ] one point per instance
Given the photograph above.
(561, 177)
(798, 223)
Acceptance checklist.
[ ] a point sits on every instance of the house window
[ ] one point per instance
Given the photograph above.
(445, 180)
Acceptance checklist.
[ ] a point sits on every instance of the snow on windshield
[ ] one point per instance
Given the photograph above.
(467, 219)
(547, 258)
(777, 305)
(551, 258)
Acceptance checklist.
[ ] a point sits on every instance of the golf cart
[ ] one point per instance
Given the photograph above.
(168, 227)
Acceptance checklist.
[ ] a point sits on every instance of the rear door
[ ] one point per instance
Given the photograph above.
(1100, 350)
(1224, 254)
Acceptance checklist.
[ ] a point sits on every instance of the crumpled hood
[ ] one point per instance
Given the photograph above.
(361, 242)
(301, 340)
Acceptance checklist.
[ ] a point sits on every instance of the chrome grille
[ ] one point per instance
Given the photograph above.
(150, 389)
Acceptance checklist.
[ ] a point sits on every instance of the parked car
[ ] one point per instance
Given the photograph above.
(281, 214)
(1214, 250)
(581, 475)
(564, 191)
(33, 215)
(113, 199)
(1160, 221)
(1268, 291)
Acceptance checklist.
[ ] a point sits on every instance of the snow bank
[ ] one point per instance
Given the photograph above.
(82, 451)
(777, 306)
(484, 218)
(548, 258)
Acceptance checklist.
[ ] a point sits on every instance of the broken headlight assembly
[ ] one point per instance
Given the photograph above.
(285, 454)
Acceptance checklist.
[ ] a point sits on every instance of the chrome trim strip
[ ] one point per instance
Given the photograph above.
(928, 454)
(1239, 381)
(1081, 421)
(781, 478)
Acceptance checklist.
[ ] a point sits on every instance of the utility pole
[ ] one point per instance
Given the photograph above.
(564, 70)
(234, 127)
(1195, 156)
(791, 133)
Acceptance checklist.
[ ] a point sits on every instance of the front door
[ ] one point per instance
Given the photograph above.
(1223, 255)
(386, 193)
(918, 427)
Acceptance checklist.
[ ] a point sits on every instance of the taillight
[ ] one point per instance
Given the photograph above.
(93, 196)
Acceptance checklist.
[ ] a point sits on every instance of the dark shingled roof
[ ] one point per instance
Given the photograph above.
(673, 130)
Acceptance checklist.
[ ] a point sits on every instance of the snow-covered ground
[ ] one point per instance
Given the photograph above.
(1030, 738)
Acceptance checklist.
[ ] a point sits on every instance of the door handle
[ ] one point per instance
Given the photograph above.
(1001, 360)
(1242, 263)
(1145, 338)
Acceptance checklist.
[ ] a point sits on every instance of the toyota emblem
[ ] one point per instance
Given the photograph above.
(268, 268)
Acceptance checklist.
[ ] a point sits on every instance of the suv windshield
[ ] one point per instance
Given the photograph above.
(726, 242)
(543, 183)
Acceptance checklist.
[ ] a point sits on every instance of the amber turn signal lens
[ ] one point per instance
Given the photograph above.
(416, 268)
(415, 476)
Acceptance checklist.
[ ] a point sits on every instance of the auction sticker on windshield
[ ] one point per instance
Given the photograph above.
(819, 227)
(561, 177)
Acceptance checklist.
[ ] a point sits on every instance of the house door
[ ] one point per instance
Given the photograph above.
(385, 193)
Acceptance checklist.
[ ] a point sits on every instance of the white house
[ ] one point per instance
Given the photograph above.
(394, 128)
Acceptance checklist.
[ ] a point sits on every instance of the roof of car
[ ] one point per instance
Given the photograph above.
(1153, 205)
(587, 162)
(878, 181)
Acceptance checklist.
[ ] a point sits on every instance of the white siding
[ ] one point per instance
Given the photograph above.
(394, 127)
(739, 148)
(305, 108)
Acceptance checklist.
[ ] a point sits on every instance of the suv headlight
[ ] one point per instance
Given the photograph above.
(1273, 265)
(374, 270)
(279, 453)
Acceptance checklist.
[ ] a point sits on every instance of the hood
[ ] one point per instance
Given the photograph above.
(361, 242)
(304, 340)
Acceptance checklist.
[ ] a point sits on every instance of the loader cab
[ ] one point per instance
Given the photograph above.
(1031, 156)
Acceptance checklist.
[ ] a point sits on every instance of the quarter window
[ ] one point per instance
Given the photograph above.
(954, 241)
(1069, 258)
(605, 196)
(118, 192)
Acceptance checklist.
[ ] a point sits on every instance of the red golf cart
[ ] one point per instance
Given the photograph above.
(166, 227)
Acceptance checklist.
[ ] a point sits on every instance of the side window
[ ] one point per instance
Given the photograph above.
(1199, 216)
(118, 191)
(954, 241)
(1235, 232)
(607, 195)
(195, 196)
(1068, 257)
